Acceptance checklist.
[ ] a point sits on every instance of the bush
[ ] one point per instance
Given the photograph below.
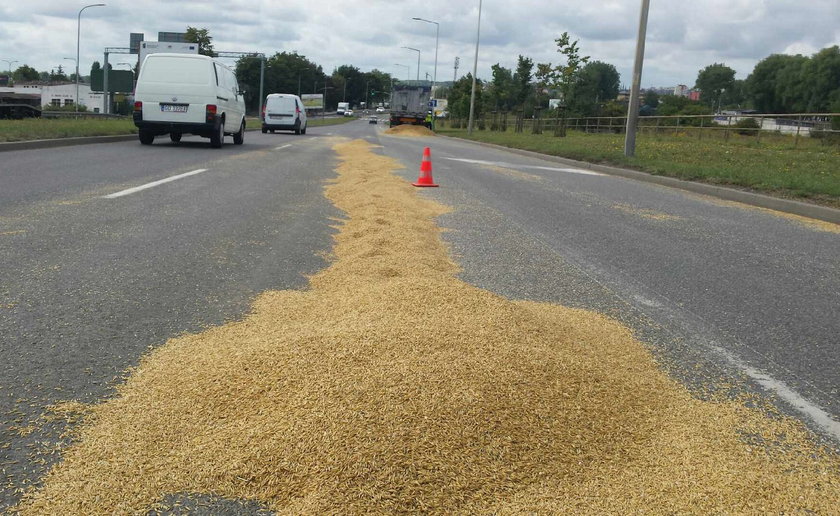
(50, 107)
(826, 137)
(746, 126)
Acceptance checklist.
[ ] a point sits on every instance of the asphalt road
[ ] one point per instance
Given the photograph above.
(722, 293)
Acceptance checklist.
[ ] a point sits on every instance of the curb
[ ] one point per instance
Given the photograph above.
(802, 209)
(65, 142)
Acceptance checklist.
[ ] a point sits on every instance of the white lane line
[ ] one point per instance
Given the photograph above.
(136, 189)
(534, 167)
(283, 146)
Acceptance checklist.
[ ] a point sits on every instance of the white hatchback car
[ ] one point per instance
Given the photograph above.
(283, 112)
(180, 94)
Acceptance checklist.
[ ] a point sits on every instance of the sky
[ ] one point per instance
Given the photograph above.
(682, 36)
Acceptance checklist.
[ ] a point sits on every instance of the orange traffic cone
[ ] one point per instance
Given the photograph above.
(425, 178)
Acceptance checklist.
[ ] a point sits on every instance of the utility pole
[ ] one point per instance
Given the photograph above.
(457, 64)
(475, 70)
(633, 108)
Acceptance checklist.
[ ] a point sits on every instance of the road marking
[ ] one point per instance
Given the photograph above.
(535, 167)
(136, 189)
(283, 146)
(820, 417)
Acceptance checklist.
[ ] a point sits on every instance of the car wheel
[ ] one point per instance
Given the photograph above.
(218, 136)
(303, 131)
(297, 127)
(175, 137)
(264, 130)
(146, 137)
(239, 138)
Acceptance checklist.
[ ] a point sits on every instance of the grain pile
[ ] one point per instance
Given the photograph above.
(392, 386)
(409, 130)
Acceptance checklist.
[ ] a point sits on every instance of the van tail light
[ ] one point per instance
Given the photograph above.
(263, 112)
(138, 107)
(210, 113)
(297, 110)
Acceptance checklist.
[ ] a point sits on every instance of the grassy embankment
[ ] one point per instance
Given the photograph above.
(49, 128)
(809, 171)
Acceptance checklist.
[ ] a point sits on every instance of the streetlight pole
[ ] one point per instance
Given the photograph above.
(78, 41)
(10, 61)
(475, 70)
(418, 60)
(633, 109)
(437, 39)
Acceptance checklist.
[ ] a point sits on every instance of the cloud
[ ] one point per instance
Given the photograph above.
(683, 37)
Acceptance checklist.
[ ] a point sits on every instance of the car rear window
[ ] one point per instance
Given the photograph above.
(281, 104)
(176, 70)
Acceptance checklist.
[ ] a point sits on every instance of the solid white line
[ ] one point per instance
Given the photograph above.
(534, 167)
(283, 146)
(136, 189)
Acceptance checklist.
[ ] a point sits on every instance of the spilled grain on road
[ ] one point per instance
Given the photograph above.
(392, 386)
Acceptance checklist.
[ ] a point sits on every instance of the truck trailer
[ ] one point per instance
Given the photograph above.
(410, 103)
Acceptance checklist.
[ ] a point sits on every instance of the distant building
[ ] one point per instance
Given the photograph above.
(58, 95)
(694, 95)
(681, 90)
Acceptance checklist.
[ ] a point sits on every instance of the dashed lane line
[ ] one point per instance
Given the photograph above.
(146, 186)
(534, 167)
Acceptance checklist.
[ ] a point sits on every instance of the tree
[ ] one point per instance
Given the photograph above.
(459, 97)
(58, 75)
(501, 93)
(522, 80)
(566, 75)
(822, 72)
(285, 72)
(596, 83)
(203, 38)
(712, 81)
(651, 99)
(26, 73)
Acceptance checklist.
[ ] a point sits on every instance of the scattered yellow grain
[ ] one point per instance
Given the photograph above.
(409, 130)
(392, 386)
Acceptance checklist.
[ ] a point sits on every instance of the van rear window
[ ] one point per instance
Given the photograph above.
(176, 70)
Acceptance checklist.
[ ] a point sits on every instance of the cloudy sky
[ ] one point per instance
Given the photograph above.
(683, 36)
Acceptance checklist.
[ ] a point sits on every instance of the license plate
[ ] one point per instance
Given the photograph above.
(279, 116)
(174, 108)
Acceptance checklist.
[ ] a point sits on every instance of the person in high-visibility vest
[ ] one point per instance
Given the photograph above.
(430, 120)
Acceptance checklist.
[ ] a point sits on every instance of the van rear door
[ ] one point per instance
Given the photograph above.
(281, 110)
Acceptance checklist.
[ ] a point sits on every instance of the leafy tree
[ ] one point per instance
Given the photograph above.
(203, 38)
(285, 72)
(651, 99)
(500, 95)
(459, 97)
(673, 105)
(712, 81)
(822, 73)
(597, 82)
(26, 73)
(58, 75)
(522, 80)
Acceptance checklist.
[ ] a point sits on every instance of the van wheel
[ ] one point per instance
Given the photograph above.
(264, 130)
(175, 137)
(303, 131)
(239, 138)
(146, 137)
(218, 136)
(297, 127)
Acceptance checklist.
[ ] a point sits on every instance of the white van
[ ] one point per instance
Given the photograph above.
(188, 94)
(283, 111)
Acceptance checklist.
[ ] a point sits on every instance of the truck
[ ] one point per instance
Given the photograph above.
(410, 103)
(342, 107)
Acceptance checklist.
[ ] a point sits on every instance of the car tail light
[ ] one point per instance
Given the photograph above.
(297, 110)
(211, 113)
(263, 113)
(138, 107)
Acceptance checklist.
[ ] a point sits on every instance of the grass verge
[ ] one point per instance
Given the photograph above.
(51, 128)
(809, 171)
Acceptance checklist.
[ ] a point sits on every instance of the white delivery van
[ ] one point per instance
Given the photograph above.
(283, 111)
(180, 94)
(342, 107)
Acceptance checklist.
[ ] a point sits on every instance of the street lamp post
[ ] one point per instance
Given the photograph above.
(10, 61)
(78, 41)
(475, 70)
(407, 70)
(418, 60)
(437, 39)
(633, 108)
